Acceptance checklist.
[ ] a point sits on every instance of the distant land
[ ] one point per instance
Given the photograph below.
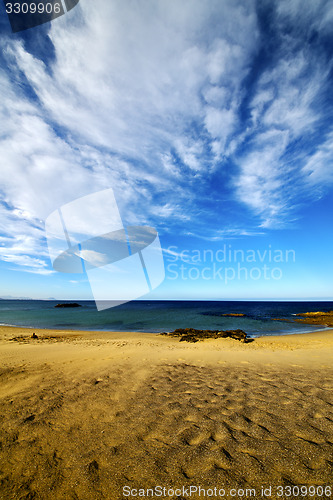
(10, 297)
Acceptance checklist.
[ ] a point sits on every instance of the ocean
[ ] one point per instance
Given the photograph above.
(159, 316)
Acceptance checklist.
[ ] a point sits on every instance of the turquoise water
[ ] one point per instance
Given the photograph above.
(159, 316)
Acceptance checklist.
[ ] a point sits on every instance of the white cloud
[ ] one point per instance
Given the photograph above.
(294, 92)
(21, 251)
(261, 184)
(309, 14)
(94, 258)
(139, 89)
(318, 168)
(286, 106)
(191, 153)
(131, 86)
(220, 123)
(124, 88)
(224, 234)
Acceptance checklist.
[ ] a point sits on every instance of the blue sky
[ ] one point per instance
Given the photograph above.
(210, 120)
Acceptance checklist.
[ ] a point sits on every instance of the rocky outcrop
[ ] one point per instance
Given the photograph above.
(68, 304)
(316, 318)
(231, 315)
(193, 335)
(234, 315)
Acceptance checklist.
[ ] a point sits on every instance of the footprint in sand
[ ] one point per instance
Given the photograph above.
(198, 439)
(191, 418)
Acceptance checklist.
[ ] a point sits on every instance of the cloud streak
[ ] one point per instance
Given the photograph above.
(168, 107)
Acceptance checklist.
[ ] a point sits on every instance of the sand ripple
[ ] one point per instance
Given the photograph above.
(85, 436)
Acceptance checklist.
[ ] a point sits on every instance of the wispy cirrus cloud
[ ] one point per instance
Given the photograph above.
(283, 138)
(170, 104)
(141, 99)
(318, 167)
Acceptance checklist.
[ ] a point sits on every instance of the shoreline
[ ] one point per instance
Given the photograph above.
(85, 414)
(321, 328)
(4, 328)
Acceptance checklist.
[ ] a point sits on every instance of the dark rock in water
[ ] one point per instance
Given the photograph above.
(193, 335)
(68, 304)
(234, 315)
(316, 318)
(311, 318)
(34, 336)
(225, 315)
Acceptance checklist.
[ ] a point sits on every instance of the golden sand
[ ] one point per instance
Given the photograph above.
(85, 414)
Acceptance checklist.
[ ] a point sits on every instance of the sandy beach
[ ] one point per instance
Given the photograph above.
(98, 415)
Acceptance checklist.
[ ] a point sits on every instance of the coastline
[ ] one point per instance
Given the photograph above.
(309, 328)
(85, 414)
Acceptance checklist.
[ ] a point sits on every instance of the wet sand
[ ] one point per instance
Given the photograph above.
(85, 414)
